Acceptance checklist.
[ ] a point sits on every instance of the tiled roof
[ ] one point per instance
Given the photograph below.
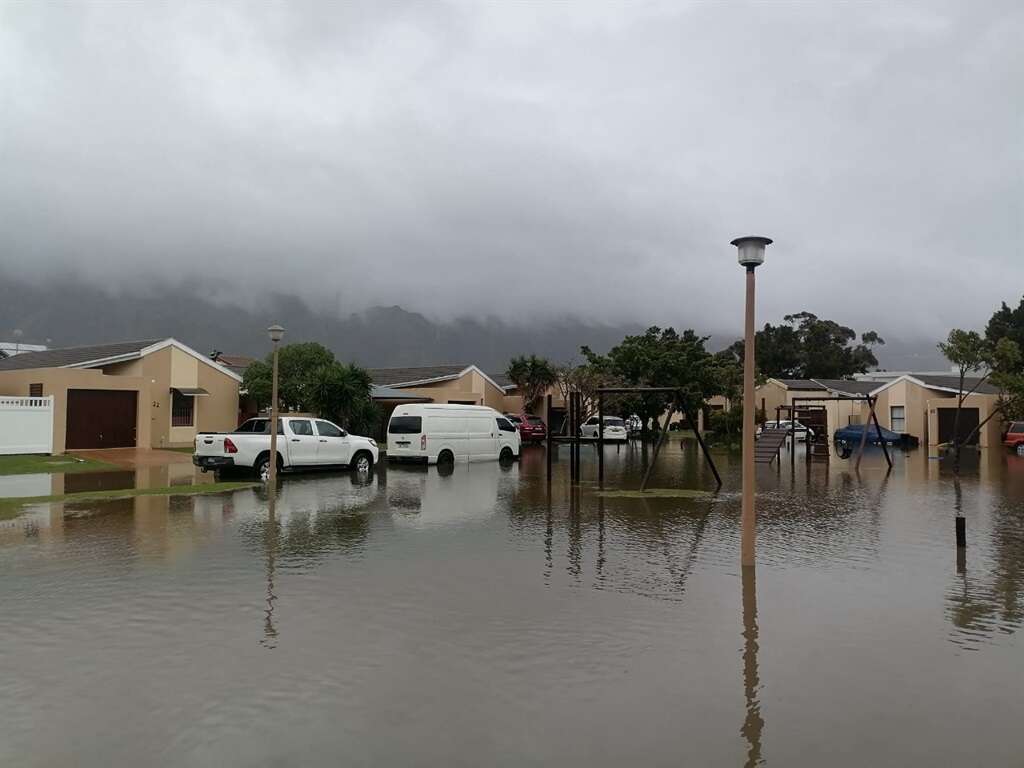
(393, 376)
(804, 385)
(236, 363)
(849, 386)
(953, 382)
(502, 380)
(59, 358)
(389, 393)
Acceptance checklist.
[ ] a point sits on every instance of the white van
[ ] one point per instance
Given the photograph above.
(432, 433)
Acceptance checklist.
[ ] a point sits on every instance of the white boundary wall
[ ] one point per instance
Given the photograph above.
(26, 425)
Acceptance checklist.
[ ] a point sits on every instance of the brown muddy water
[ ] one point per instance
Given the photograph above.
(471, 619)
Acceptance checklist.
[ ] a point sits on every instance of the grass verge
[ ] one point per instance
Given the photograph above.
(27, 465)
(12, 507)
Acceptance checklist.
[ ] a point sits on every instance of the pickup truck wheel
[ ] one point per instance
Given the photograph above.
(263, 467)
(362, 463)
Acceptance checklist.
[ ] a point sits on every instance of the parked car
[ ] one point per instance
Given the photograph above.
(799, 429)
(1013, 437)
(302, 442)
(851, 435)
(531, 428)
(614, 428)
(447, 433)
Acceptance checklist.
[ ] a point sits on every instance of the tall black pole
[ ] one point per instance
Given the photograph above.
(878, 429)
(550, 443)
(600, 437)
(657, 446)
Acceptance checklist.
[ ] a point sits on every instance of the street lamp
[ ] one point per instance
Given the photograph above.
(276, 333)
(750, 256)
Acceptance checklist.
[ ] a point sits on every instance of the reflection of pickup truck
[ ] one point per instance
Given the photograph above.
(302, 442)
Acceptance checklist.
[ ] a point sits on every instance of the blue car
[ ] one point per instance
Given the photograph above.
(851, 435)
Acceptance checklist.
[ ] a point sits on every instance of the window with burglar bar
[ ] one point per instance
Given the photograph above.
(182, 408)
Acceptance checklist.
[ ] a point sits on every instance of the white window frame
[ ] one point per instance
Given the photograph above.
(902, 418)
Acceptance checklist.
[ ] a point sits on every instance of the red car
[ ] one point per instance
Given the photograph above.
(531, 428)
(1014, 435)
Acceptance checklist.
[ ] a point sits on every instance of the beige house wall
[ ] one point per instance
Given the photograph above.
(471, 388)
(57, 382)
(152, 377)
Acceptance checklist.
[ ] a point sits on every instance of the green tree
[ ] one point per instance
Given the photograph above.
(805, 346)
(978, 361)
(661, 358)
(311, 380)
(1007, 323)
(533, 376)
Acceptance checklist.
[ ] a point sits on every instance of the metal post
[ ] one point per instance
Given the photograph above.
(600, 437)
(863, 437)
(573, 430)
(272, 480)
(704, 448)
(749, 515)
(550, 443)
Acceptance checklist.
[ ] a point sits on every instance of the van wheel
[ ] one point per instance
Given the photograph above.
(506, 456)
(362, 463)
(445, 458)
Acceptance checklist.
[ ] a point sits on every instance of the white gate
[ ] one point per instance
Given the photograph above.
(26, 425)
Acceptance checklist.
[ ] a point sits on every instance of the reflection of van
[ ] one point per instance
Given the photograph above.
(447, 433)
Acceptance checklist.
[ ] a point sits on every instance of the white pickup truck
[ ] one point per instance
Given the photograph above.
(302, 442)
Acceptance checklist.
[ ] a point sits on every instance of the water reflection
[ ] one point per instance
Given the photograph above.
(402, 604)
(753, 723)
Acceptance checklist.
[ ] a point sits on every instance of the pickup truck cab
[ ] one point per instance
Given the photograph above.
(303, 442)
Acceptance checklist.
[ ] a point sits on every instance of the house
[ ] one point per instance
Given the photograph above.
(826, 393)
(153, 393)
(247, 406)
(924, 405)
(461, 384)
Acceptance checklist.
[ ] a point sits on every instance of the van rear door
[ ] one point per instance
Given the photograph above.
(404, 435)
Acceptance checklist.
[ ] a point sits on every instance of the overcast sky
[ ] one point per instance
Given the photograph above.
(525, 159)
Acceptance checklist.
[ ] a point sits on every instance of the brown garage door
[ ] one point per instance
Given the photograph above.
(100, 418)
(969, 418)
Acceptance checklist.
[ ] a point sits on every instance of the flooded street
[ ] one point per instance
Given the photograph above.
(414, 618)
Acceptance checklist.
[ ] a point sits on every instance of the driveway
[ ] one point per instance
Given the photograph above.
(136, 458)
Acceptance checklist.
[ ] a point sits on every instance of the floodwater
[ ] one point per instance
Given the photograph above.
(474, 619)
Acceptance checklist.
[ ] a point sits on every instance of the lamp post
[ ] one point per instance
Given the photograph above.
(751, 256)
(276, 333)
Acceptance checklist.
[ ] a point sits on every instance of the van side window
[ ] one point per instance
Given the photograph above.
(301, 427)
(505, 425)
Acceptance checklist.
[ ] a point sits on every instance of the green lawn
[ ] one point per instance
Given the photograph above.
(12, 507)
(25, 465)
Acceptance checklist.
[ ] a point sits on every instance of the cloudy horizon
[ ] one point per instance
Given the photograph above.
(525, 161)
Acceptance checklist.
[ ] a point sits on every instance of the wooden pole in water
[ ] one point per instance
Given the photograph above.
(600, 437)
(704, 448)
(657, 446)
(878, 430)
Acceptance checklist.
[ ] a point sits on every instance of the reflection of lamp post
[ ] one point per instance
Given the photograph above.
(751, 256)
(276, 333)
(753, 723)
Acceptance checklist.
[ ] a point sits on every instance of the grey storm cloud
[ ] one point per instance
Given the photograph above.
(524, 159)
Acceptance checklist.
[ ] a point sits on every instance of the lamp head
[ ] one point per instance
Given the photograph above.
(276, 333)
(751, 250)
